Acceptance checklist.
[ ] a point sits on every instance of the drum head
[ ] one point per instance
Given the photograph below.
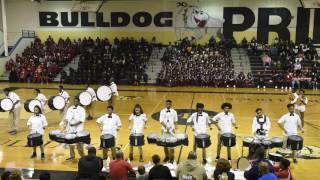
(83, 133)
(136, 134)
(277, 140)
(295, 138)
(58, 102)
(228, 135)
(6, 104)
(202, 136)
(55, 132)
(85, 98)
(107, 136)
(248, 139)
(34, 135)
(153, 135)
(181, 136)
(70, 136)
(32, 104)
(243, 164)
(104, 93)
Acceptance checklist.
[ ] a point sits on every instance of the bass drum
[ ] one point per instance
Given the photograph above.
(85, 98)
(56, 103)
(243, 164)
(6, 104)
(104, 93)
(30, 104)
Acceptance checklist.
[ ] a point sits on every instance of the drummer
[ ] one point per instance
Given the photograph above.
(224, 122)
(168, 120)
(37, 124)
(293, 97)
(301, 105)
(138, 121)
(90, 107)
(290, 123)
(109, 123)
(260, 125)
(66, 97)
(200, 122)
(73, 123)
(14, 113)
(42, 98)
(114, 90)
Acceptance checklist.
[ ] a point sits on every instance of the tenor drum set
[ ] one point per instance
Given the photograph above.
(180, 139)
(70, 138)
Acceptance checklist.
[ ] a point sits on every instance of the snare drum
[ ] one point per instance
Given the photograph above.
(34, 140)
(295, 142)
(85, 98)
(167, 141)
(30, 104)
(107, 141)
(152, 138)
(228, 139)
(104, 93)
(275, 157)
(243, 164)
(6, 104)
(182, 139)
(136, 139)
(71, 138)
(60, 138)
(56, 103)
(250, 142)
(267, 144)
(84, 137)
(277, 142)
(203, 140)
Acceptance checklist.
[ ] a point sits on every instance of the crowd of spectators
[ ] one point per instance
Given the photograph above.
(186, 63)
(286, 64)
(125, 58)
(41, 62)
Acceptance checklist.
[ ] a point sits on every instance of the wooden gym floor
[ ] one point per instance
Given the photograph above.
(13, 152)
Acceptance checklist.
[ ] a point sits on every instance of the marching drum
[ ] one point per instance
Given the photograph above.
(277, 142)
(136, 139)
(152, 138)
(203, 140)
(266, 143)
(34, 140)
(182, 139)
(84, 137)
(295, 142)
(30, 104)
(56, 103)
(53, 134)
(275, 157)
(243, 164)
(71, 138)
(85, 98)
(104, 93)
(167, 141)
(107, 141)
(228, 139)
(250, 141)
(6, 104)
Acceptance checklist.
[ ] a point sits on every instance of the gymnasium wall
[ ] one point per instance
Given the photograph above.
(24, 15)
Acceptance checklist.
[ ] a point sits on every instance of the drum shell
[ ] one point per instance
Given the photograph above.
(163, 142)
(295, 144)
(152, 138)
(71, 141)
(228, 139)
(276, 144)
(34, 141)
(203, 141)
(84, 139)
(107, 143)
(184, 141)
(275, 157)
(136, 140)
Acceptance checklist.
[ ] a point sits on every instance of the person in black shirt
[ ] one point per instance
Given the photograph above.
(253, 173)
(90, 166)
(159, 171)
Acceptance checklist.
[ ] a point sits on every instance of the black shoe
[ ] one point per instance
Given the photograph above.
(70, 159)
(204, 161)
(295, 161)
(14, 132)
(166, 159)
(33, 155)
(217, 158)
(42, 155)
(131, 157)
(89, 118)
(171, 161)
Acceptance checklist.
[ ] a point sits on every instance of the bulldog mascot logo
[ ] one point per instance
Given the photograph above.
(195, 22)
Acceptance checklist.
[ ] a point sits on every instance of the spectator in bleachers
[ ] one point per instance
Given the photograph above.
(265, 173)
(222, 170)
(120, 168)
(90, 166)
(191, 168)
(159, 171)
(283, 170)
(142, 175)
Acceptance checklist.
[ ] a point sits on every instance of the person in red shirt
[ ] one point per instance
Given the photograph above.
(119, 168)
(283, 171)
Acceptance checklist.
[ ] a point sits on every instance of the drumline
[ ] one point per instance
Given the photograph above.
(104, 93)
